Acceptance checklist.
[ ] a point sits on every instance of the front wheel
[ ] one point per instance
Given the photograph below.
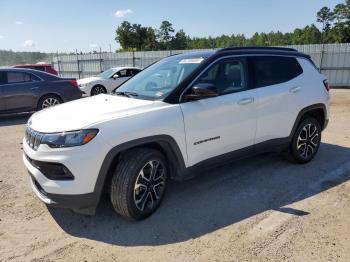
(96, 90)
(306, 141)
(138, 183)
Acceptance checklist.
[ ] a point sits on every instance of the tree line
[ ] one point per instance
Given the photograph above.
(335, 29)
(9, 57)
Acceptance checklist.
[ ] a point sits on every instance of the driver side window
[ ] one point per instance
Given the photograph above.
(122, 73)
(228, 76)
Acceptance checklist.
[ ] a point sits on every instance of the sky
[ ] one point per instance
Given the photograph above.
(86, 25)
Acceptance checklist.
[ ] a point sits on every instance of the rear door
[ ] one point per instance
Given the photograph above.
(278, 81)
(20, 91)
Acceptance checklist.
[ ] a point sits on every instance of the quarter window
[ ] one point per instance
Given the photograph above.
(272, 70)
(227, 76)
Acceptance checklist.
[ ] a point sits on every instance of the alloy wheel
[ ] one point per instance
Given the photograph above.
(98, 90)
(149, 185)
(49, 102)
(308, 141)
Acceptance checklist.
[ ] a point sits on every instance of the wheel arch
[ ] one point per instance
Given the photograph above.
(164, 143)
(317, 111)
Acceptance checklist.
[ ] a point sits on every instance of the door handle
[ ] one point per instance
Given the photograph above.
(246, 101)
(295, 89)
(34, 88)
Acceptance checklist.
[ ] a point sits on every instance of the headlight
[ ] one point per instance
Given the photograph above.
(69, 139)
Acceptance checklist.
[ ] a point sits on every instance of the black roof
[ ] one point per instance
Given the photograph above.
(270, 48)
(246, 50)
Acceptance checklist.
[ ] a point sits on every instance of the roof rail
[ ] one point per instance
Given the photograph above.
(258, 48)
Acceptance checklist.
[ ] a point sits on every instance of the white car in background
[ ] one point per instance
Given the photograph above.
(107, 81)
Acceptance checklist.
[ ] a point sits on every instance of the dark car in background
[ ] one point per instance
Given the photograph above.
(26, 90)
(40, 67)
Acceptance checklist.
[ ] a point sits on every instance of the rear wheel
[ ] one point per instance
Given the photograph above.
(138, 183)
(306, 141)
(96, 90)
(49, 101)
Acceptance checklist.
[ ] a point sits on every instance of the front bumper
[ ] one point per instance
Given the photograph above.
(84, 162)
(83, 204)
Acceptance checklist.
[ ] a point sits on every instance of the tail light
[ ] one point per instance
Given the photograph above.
(326, 85)
(74, 83)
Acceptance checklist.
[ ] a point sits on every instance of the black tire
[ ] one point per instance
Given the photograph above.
(98, 89)
(126, 190)
(42, 104)
(306, 141)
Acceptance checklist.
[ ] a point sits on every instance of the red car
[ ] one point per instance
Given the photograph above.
(41, 67)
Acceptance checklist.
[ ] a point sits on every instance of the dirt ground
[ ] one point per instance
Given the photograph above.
(263, 209)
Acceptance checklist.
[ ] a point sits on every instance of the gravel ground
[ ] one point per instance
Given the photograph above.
(263, 209)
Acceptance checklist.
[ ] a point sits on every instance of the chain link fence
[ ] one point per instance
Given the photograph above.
(333, 60)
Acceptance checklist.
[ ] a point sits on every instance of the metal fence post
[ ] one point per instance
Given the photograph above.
(133, 58)
(322, 54)
(76, 51)
(101, 60)
(58, 64)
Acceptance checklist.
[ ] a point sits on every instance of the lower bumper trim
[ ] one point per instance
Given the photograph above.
(84, 204)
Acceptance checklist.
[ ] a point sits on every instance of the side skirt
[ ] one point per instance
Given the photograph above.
(271, 146)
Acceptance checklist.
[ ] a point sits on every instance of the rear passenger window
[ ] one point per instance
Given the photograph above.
(20, 77)
(272, 70)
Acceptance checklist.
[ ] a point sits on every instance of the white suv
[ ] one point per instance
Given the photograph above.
(183, 113)
(107, 81)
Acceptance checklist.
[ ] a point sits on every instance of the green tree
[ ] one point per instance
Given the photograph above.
(180, 41)
(325, 16)
(165, 35)
(341, 30)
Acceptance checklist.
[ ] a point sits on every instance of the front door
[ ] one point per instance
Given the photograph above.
(222, 124)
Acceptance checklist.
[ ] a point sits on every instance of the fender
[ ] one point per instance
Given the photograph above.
(167, 144)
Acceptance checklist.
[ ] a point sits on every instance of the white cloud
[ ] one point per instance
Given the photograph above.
(19, 23)
(29, 43)
(122, 13)
(93, 45)
(1, 36)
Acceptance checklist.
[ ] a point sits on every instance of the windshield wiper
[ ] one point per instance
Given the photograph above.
(127, 94)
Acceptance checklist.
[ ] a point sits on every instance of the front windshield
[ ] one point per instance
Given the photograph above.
(107, 74)
(158, 80)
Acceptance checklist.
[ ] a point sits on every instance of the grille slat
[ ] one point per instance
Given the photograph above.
(33, 138)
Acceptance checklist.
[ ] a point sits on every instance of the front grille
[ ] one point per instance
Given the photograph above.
(33, 138)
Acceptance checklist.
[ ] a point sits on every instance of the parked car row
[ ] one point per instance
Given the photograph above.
(27, 88)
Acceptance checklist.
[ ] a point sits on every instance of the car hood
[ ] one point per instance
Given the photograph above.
(87, 80)
(88, 111)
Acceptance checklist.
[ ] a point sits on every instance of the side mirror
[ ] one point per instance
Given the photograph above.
(115, 76)
(201, 91)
